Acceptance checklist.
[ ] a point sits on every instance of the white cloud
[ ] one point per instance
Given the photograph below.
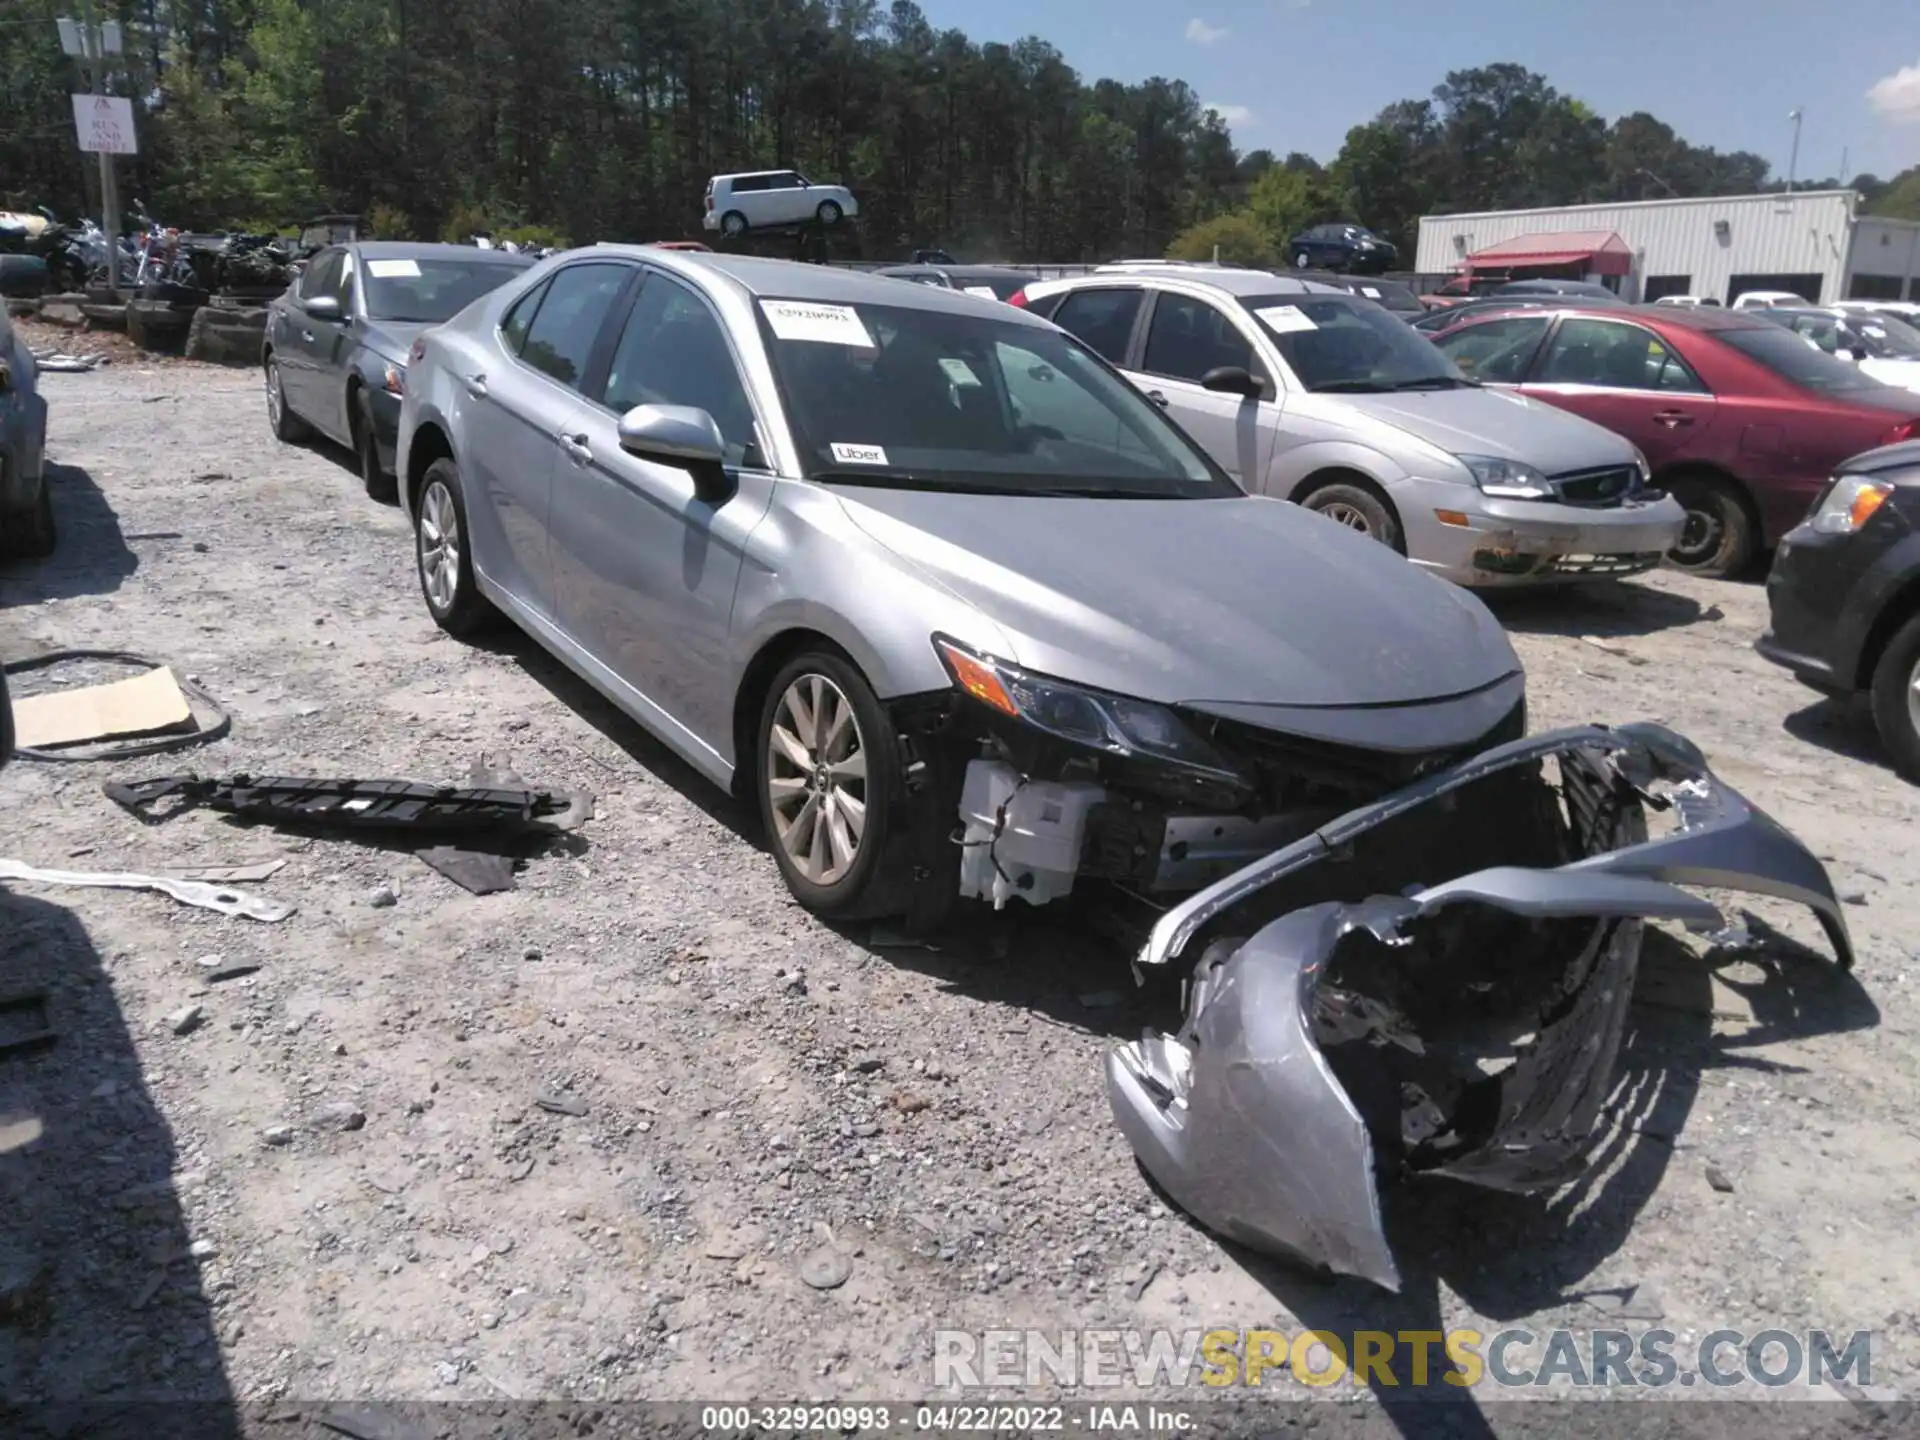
(1232, 115)
(1201, 33)
(1898, 96)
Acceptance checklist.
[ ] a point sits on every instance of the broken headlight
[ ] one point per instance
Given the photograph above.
(1113, 724)
(1508, 479)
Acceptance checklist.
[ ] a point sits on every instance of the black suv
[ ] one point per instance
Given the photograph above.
(1845, 595)
(1341, 247)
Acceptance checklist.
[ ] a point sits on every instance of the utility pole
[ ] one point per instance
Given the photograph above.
(91, 44)
(1793, 161)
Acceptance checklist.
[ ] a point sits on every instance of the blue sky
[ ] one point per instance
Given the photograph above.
(1295, 74)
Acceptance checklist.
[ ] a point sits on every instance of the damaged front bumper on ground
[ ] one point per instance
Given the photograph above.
(1466, 1024)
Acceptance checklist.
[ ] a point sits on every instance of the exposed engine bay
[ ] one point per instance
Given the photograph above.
(1436, 983)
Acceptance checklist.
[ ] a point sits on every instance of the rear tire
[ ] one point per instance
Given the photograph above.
(288, 428)
(1896, 701)
(31, 535)
(828, 213)
(1720, 537)
(443, 555)
(380, 485)
(1301, 261)
(1358, 508)
(820, 789)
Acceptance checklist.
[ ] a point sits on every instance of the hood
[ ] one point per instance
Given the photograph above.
(1904, 373)
(1498, 423)
(1887, 457)
(392, 339)
(1246, 601)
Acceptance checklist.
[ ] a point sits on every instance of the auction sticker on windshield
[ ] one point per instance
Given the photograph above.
(822, 324)
(394, 269)
(985, 292)
(858, 454)
(1284, 318)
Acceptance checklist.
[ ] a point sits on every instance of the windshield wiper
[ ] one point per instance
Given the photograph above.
(1435, 382)
(1348, 387)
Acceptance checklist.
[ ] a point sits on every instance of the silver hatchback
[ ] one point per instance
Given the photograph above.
(1309, 393)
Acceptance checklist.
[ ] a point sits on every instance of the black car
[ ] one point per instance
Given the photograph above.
(335, 351)
(1844, 594)
(1342, 246)
(1389, 294)
(991, 281)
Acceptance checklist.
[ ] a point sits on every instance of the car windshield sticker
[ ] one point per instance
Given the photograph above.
(822, 324)
(859, 454)
(959, 372)
(1369, 292)
(1283, 318)
(394, 269)
(985, 292)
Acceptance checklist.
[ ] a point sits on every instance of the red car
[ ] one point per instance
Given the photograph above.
(1741, 419)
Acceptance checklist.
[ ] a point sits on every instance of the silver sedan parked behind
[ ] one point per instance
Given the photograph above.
(902, 564)
(1310, 394)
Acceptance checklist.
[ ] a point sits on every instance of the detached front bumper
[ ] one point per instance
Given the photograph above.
(1484, 542)
(1466, 1024)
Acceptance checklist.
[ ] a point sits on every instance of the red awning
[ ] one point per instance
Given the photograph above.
(1598, 252)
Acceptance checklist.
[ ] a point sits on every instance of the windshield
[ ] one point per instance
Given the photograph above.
(905, 398)
(430, 290)
(1389, 293)
(1335, 344)
(1885, 337)
(1794, 360)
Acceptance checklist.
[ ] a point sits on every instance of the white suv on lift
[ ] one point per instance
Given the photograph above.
(761, 199)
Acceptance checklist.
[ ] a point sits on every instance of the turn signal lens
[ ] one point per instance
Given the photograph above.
(1453, 518)
(976, 677)
(418, 350)
(396, 380)
(1849, 505)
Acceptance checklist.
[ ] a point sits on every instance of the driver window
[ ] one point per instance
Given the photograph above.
(322, 275)
(343, 289)
(1187, 337)
(673, 352)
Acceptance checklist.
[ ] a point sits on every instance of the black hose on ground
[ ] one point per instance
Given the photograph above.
(197, 699)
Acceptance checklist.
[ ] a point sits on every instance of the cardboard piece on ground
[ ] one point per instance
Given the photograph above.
(145, 705)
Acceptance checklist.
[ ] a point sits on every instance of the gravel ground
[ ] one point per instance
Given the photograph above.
(337, 1184)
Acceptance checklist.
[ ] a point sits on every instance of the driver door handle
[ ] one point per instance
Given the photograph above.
(476, 385)
(307, 335)
(577, 448)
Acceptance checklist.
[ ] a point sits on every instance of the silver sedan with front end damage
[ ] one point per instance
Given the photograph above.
(1307, 393)
(1368, 1029)
(907, 567)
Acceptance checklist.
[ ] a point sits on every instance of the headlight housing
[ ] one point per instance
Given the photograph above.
(1848, 504)
(1111, 724)
(1508, 479)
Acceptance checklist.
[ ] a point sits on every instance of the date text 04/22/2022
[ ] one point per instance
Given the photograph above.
(1119, 1419)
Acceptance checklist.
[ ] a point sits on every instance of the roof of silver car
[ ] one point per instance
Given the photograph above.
(1232, 282)
(792, 280)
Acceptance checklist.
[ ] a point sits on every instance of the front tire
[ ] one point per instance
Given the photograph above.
(31, 536)
(444, 557)
(366, 445)
(828, 213)
(288, 428)
(1719, 538)
(827, 772)
(733, 224)
(1359, 509)
(1896, 699)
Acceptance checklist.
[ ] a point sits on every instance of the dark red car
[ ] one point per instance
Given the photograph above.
(1741, 419)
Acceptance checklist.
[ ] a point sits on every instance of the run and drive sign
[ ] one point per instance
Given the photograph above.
(105, 123)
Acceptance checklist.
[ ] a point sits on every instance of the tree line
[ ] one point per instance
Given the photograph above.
(577, 120)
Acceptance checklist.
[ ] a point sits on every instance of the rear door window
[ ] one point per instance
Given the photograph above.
(1614, 356)
(559, 343)
(1103, 319)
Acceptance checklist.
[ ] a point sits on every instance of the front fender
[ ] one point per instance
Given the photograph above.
(1290, 469)
(1892, 573)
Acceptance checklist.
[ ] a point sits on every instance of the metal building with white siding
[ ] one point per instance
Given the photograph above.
(1811, 242)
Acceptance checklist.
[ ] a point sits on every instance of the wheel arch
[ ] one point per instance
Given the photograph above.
(1895, 611)
(750, 695)
(1339, 474)
(430, 443)
(1715, 475)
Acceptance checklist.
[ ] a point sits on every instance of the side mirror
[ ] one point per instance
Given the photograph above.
(681, 435)
(1233, 380)
(325, 308)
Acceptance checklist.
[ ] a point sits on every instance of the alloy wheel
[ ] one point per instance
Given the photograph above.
(276, 402)
(1350, 516)
(816, 778)
(1913, 697)
(439, 546)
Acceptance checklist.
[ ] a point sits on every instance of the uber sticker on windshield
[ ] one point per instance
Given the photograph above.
(1283, 318)
(985, 292)
(822, 324)
(858, 454)
(958, 371)
(394, 269)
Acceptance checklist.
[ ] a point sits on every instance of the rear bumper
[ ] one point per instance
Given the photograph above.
(1528, 542)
